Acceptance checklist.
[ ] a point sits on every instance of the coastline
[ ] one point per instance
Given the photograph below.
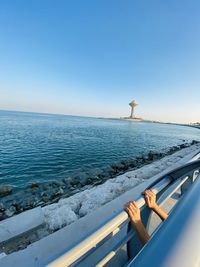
(69, 210)
(43, 194)
(194, 125)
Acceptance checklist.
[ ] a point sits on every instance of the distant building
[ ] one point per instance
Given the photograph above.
(133, 104)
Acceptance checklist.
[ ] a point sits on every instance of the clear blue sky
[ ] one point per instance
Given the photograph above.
(92, 57)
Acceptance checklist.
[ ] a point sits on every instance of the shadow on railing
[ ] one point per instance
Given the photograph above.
(164, 187)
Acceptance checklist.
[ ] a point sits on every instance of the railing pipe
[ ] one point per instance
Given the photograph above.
(91, 241)
(83, 247)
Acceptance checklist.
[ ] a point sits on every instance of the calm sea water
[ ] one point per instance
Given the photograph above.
(41, 147)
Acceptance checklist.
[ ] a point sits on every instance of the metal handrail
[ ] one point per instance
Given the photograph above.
(182, 248)
(112, 226)
(83, 247)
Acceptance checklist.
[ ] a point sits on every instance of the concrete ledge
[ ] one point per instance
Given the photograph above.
(2, 255)
(19, 224)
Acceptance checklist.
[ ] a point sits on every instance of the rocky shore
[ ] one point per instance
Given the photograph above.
(41, 194)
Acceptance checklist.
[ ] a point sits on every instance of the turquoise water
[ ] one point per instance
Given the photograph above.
(42, 147)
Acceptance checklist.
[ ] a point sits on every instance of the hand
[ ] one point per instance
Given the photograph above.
(150, 199)
(133, 212)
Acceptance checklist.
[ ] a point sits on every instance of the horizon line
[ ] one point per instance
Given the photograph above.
(87, 116)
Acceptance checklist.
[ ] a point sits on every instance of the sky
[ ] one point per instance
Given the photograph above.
(93, 57)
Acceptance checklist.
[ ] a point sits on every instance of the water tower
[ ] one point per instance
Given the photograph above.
(133, 104)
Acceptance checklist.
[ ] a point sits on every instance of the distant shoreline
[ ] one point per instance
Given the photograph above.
(151, 121)
(96, 117)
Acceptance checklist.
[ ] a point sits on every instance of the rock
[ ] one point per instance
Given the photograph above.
(46, 198)
(187, 145)
(68, 183)
(108, 171)
(44, 194)
(10, 211)
(72, 188)
(58, 193)
(133, 163)
(40, 203)
(95, 172)
(66, 180)
(95, 178)
(150, 156)
(156, 156)
(172, 150)
(30, 202)
(194, 142)
(76, 191)
(61, 190)
(34, 185)
(2, 208)
(75, 181)
(56, 184)
(16, 205)
(125, 164)
(5, 190)
(97, 182)
(80, 179)
(2, 217)
(83, 179)
(114, 166)
(182, 145)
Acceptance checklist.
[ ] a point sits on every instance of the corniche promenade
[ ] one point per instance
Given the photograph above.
(85, 199)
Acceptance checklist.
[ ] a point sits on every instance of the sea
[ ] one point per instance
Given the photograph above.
(44, 147)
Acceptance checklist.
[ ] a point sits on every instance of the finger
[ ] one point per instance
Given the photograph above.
(134, 204)
(132, 207)
(146, 193)
(126, 207)
(151, 193)
(148, 201)
(128, 210)
(130, 213)
(128, 204)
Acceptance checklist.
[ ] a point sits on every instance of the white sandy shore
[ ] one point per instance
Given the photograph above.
(71, 209)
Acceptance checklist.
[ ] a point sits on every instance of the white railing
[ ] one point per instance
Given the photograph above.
(112, 227)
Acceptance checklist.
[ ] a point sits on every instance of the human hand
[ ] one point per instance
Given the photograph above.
(133, 211)
(150, 199)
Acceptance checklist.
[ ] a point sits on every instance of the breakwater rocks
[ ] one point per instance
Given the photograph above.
(13, 201)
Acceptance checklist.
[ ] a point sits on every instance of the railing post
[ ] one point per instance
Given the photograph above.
(187, 184)
(195, 174)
